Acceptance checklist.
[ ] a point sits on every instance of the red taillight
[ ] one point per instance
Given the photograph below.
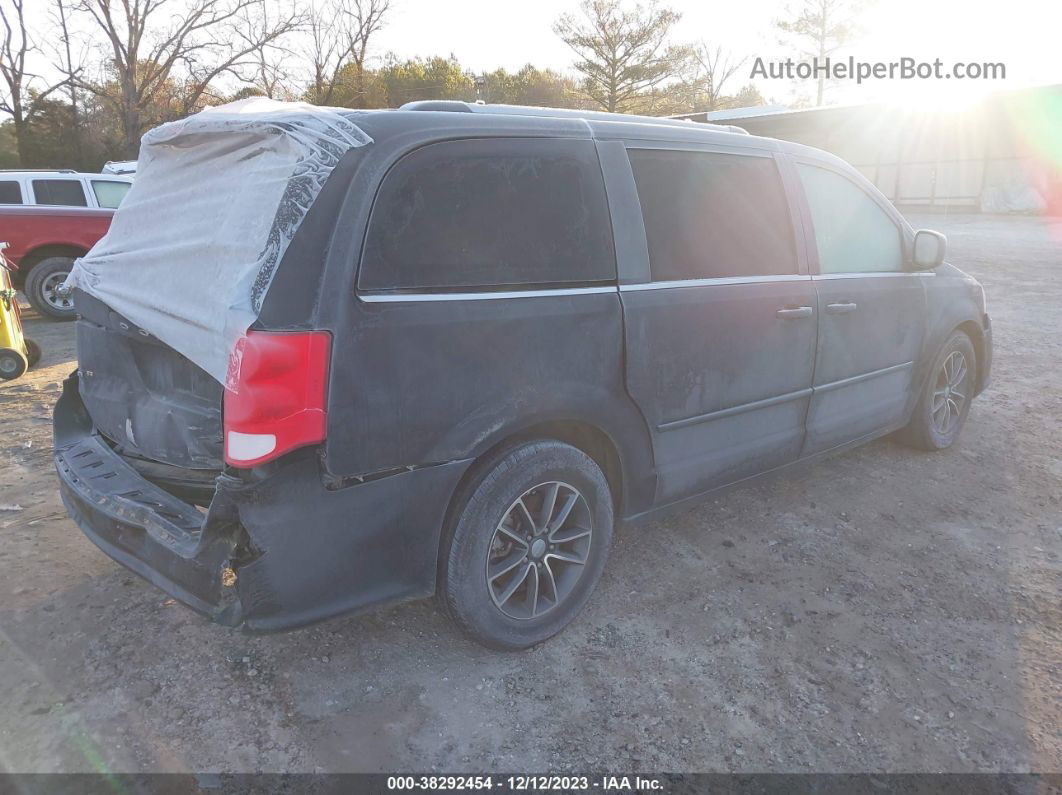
(275, 395)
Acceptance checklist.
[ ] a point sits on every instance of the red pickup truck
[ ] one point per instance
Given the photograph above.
(44, 242)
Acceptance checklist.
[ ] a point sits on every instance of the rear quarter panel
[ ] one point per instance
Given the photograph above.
(418, 383)
(428, 382)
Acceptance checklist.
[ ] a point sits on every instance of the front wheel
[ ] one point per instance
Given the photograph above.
(945, 401)
(527, 546)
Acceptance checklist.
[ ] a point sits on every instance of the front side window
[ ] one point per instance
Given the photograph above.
(10, 192)
(490, 212)
(109, 193)
(853, 234)
(67, 192)
(710, 215)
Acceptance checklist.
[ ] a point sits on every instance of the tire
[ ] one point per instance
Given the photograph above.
(33, 351)
(40, 288)
(12, 364)
(926, 431)
(485, 530)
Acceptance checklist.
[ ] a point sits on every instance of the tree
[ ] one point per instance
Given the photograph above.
(340, 33)
(700, 85)
(533, 86)
(156, 45)
(70, 74)
(53, 139)
(327, 50)
(365, 17)
(8, 145)
(398, 82)
(747, 97)
(268, 75)
(714, 68)
(822, 27)
(623, 52)
(14, 48)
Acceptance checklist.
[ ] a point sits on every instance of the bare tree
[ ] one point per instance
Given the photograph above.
(340, 33)
(16, 46)
(327, 49)
(153, 43)
(714, 67)
(366, 17)
(822, 27)
(14, 49)
(622, 52)
(268, 56)
(70, 73)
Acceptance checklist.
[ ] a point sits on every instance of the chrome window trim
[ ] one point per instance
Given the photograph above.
(745, 148)
(722, 280)
(398, 298)
(869, 275)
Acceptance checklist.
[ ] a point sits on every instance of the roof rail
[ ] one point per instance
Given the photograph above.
(457, 106)
(37, 171)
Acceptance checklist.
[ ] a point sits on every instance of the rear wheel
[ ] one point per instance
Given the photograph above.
(12, 364)
(527, 546)
(42, 288)
(945, 401)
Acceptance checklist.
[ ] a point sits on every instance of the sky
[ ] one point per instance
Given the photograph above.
(487, 34)
(1023, 34)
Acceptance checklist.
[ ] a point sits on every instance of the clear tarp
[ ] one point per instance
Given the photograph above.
(217, 199)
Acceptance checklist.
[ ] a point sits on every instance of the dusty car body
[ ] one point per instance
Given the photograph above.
(529, 324)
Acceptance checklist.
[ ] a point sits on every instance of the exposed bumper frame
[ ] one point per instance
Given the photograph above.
(302, 551)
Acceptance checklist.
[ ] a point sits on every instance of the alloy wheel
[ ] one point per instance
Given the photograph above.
(539, 550)
(949, 393)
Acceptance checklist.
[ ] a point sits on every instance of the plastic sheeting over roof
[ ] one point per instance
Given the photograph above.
(218, 197)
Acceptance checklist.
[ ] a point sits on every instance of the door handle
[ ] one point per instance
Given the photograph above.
(841, 309)
(794, 312)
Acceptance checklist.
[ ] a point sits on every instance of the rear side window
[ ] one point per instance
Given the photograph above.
(109, 193)
(710, 215)
(10, 192)
(852, 233)
(490, 212)
(67, 192)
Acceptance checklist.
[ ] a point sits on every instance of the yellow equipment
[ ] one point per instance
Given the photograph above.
(17, 353)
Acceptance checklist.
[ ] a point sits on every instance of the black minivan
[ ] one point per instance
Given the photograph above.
(510, 329)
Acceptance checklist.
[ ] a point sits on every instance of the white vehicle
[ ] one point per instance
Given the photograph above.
(63, 187)
(119, 167)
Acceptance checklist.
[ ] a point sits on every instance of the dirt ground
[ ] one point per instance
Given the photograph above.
(887, 610)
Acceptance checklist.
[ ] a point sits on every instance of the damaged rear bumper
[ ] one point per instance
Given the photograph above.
(301, 551)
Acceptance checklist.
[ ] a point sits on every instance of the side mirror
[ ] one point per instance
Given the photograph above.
(929, 249)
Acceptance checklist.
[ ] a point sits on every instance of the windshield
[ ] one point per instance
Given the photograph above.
(109, 193)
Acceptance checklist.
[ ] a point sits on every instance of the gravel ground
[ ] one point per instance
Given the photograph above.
(886, 610)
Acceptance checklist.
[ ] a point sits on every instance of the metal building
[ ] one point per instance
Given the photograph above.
(1002, 155)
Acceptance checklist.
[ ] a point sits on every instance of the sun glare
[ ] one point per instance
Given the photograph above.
(981, 55)
(936, 95)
